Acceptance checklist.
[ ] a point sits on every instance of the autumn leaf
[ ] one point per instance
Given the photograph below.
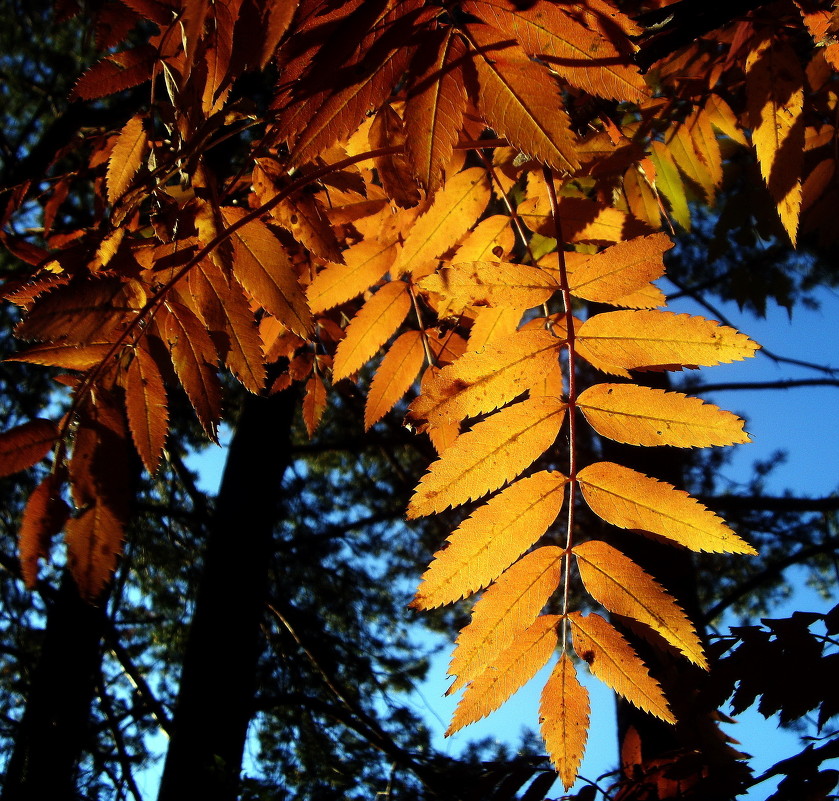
(146, 406)
(670, 184)
(377, 320)
(613, 660)
(563, 720)
(515, 666)
(314, 403)
(25, 445)
(622, 587)
(43, 517)
(94, 541)
(126, 157)
(492, 453)
(505, 610)
(397, 372)
(644, 416)
(489, 541)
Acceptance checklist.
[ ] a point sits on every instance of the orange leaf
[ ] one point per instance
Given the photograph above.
(396, 374)
(563, 719)
(25, 445)
(495, 451)
(492, 325)
(364, 264)
(627, 340)
(455, 208)
(775, 96)
(94, 541)
(614, 661)
(377, 320)
(628, 499)
(145, 404)
(126, 157)
(520, 100)
(483, 381)
(643, 416)
(265, 271)
(314, 403)
(573, 41)
(615, 581)
(489, 541)
(581, 220)
(515, 666)
(505, 610)
(43, 517)
(434, 111)
(116, 72)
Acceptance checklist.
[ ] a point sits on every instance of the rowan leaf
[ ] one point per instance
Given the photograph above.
(434, 111)
(493, 324)
(581, 220)
(126, 157)
(377, 320)
(613, 273)
(505, 610)
(644, 416)
(528, 653)
(628, 340)
(195, 359)
(491, 539)
(519, 99)
(616, 582)
(495, 451)
(116, 72)
(775, 95)
(94, 541)
(482, 381)
(613, 660)
(629, 499)
(314, 403)
(146, 408)
(364, 264)
(455, 209)
(670, 184)
(43, 517)
(67, 355)
(25, 445)
(563, 720)
(397, 372)
(263, 268)
(492, 283)
(572, 42)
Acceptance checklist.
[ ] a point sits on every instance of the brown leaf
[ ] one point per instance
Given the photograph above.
(116, 72)
(25, 445)
(43, 517)
(126, 157)
(146, 407)
(94, 541)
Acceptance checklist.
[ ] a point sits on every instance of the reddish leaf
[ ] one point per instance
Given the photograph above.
(25, 445)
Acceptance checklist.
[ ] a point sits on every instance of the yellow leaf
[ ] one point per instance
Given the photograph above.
(613, 660)
(396, 373)
(489, 283)
(520, 100)
(619, 270)
(126, 157)
(262, 267)
(515, 666)
(493, 324)
(616, 582)
(495, 451)
(723, 119)
(573, 41)
(643, 416)
(491, 240)
(481, 381)
(680, 143)
(454, 210)
(376, 321)
(505, 610)
(670, 184)
(364, 264)
(775, 97)
(563, 720)
(631, 500)
(581, 220)
(434, 112)
(640, 197)
(489, 541)
(627, 340)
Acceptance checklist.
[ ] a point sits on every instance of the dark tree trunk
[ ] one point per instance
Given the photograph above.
(216, 697)
(54, 731)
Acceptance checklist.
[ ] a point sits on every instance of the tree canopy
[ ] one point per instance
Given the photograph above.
(332, 216)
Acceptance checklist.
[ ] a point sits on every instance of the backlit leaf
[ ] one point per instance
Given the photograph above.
(94, 541)
(515, 666)
(489, 541)
(563, 720)
(492, 453)
(616, 582)
(643, 416)
(613, 660)
(126, 157)
(669, 183)
(505, 610)
(43, 517)
(314, 403)
(397, 372)
(377, 320)
(145, 404)
(25, 445)
(629, 499)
